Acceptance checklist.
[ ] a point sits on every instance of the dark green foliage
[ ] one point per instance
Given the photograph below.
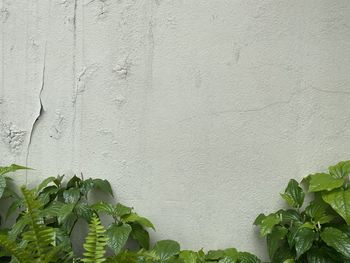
(317, 231)
(320, 231)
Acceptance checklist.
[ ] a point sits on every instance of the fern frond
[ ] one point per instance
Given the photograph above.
(15, 250)
(39, 237)
(95, 242)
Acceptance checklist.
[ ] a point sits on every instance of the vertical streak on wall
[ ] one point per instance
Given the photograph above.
(2, 90)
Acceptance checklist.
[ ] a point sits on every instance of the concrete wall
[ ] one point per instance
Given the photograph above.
(198, 112)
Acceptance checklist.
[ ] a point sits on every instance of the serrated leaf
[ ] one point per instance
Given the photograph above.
(118, 235)
(294, 194)
(321, 181)
(338, 240)
(339, 200)
(165, 249)
(340, 170)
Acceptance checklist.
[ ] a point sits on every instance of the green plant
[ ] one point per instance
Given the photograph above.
(315, 232)
(37, 243)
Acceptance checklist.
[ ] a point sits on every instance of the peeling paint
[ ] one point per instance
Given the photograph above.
(58, 126)
(82, 79)
(12, 136)
(4, 15)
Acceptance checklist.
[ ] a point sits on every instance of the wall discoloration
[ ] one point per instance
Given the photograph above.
(182, 105)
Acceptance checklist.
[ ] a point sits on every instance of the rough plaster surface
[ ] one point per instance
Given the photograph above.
(197, 111)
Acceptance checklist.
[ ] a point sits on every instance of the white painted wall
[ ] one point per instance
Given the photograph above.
(198, 112)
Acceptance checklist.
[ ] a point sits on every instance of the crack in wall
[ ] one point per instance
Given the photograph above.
(41, 109)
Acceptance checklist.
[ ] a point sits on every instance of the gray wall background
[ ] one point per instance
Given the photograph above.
(198, 112)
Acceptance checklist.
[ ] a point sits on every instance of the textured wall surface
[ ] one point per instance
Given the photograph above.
(197, 111)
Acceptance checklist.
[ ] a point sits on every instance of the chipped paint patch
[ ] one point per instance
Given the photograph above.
(57, 126)
(12, 136)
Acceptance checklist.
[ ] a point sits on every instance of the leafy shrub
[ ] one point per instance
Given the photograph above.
(317, 231)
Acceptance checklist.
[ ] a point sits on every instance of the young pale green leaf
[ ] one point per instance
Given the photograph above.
(274, 240)
(340, 170)
(337, 239)
(324, 182)
(267, 223)
(294, 194)
(289, 261)
(65, 211)
(339, 200)
(2, 185)
(165, 249)
(103, 185)
(122, 210)
(133, 217)
(12, 168)
(118, 235)
(188, 256)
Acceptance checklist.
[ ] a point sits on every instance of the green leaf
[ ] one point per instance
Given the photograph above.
(339, 200)
(340, 170)
(103, 207)
(133, 217)
(303, 240)
(83, 210)
(188, 256)
(165, 249)
(267, 223)
(103, 185)
(12, 168)
(289, 216)
(140, 235)
(2, 185)
(338, 240)
(118, 235)
(274, 240)
(318, 255)
(122, 210)
(65, 211)
(318, 211)
(44, 183)
(321, 181)
(294, 194)
(71, 195)
(245, 257)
